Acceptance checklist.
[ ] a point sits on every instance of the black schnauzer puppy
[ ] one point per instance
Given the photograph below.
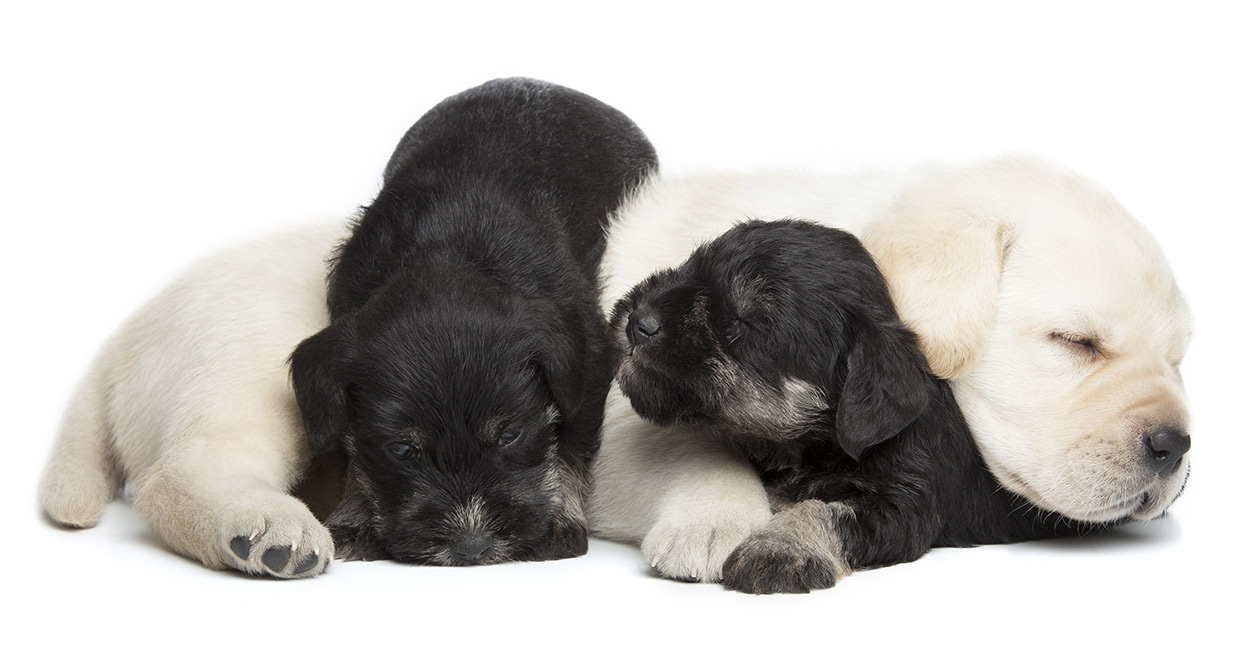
(466, 365)
(781, 339)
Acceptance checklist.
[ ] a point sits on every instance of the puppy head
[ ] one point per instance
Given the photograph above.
(1057, 315)
(455, 420)
(771, 331)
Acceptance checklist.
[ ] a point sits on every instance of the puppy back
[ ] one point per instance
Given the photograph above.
(530, 136)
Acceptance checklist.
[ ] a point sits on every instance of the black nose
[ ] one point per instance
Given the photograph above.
(1164, 448)
(642, 327)
(471, 547)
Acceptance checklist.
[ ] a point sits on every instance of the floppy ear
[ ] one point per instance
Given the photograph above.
(886, 387)
(562, 369)
(317, 366)
(572, 359)
(565, 347)
(942, 263)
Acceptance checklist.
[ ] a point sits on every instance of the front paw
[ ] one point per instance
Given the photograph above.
(692, 551)
(797, 552)
(276, 537)
(568, 538)
(762, 565)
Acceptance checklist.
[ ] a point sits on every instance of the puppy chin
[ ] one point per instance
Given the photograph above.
(1161, 494)
(649, 392)
(1144, 503)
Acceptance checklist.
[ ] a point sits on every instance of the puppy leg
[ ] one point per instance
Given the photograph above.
(798, 551)
(223, 500)
(81, 476)
(709, 508)
(567, 489)
(687, 500)
(813, 543)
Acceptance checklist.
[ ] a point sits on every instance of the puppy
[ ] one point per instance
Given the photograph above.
(190, 406)
(465, 368)
(780, 340)
(1051, 310)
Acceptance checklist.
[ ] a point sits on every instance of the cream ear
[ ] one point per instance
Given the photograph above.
(943, 265)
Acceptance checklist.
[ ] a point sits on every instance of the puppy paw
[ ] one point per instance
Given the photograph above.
(797, 552)
(767, 565)
(71, 505)
(283, 541)
(692, 551)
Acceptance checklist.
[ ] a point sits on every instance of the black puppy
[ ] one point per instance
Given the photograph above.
(465, 368)
(781, 338)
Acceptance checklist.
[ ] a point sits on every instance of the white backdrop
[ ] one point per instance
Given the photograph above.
(137, 137)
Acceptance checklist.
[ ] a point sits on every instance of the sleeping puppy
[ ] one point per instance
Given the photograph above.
(1049, 307)
(780, 340)
(465, 367)
(190, 404)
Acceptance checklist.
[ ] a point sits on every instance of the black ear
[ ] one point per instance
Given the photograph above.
(572, 360)
(886, 386)
(351, 523)
(317, 369)
(567, 342)
(560, 364)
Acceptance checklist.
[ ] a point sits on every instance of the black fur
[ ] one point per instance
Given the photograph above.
(465, 368)
(792, 300)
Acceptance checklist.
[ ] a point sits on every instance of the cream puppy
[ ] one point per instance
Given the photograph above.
(1051, 309)
(190, 406)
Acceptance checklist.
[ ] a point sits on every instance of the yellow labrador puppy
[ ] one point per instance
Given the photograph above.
(1051, 309)
(190, 405)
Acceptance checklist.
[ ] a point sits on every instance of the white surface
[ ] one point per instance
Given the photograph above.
(135, 138)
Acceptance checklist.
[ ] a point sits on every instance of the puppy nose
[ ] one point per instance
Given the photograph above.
(471, 547)
(642, 327)
(1164, 448)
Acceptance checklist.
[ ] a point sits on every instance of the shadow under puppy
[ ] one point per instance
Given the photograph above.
(780, 339)
(465, 368)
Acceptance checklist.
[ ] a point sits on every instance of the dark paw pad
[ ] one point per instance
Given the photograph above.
(242, 546)
(276, 557)
(761, 569)
(307, 564)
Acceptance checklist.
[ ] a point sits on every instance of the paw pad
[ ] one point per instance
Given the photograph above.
(307, 565)
(276, 557)
(242, 546)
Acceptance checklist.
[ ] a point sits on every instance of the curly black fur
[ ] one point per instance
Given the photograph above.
(465, 369)
(781, 338)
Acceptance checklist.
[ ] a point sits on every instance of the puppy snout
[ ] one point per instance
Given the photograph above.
(642, 327)
(1165, 447)
(471, 547)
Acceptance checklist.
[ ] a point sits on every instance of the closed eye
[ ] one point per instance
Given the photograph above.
(1084, 346)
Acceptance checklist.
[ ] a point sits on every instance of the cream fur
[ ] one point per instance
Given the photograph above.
(985, 262)
(189, 404)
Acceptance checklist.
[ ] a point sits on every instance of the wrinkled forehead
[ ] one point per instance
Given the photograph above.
(1100, 269)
